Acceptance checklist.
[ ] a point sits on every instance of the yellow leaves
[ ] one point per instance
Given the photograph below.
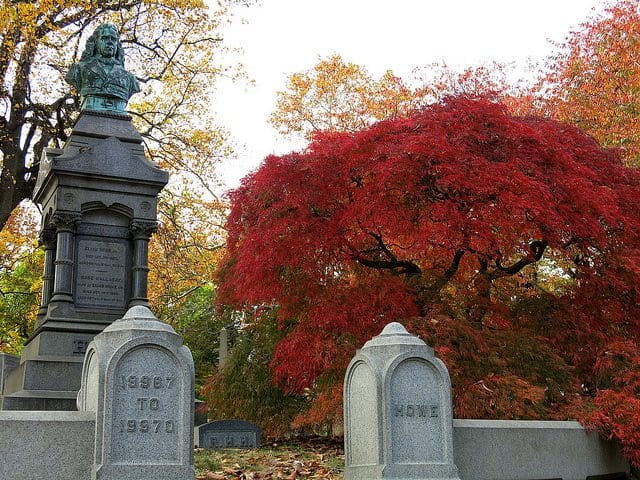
(18, 235)
(339, 96)
(20, 277)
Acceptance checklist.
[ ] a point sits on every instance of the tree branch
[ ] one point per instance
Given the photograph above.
(537, 248)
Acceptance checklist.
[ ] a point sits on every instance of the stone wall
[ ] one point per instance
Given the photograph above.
(46, 445)
(523, 450)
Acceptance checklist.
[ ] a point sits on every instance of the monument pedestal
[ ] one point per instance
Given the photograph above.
(99, 197)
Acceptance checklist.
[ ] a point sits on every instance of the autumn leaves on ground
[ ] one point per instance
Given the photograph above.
(311, 458)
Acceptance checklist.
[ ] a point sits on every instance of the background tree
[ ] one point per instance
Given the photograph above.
(335, 95)
(339, 96)
(243, 387)
(500, 82)
(511, 244)
(20, 278)
(594, 80)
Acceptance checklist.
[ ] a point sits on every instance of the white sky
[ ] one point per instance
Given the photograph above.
(281, 37)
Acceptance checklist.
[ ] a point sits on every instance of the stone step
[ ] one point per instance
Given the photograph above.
(44, 375)
(47, 400)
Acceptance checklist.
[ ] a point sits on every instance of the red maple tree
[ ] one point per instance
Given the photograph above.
(510, 244)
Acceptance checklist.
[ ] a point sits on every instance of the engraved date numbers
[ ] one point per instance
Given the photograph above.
(146, 382)
(147, 426)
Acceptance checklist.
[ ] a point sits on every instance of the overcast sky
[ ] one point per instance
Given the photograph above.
(280, 37)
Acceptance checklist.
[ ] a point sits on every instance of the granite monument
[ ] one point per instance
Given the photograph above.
(231, 433)
(98, 196)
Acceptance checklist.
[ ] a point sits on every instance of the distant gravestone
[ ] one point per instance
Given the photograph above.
(223, 350)
(228, 434)
(139, 379)
(397, 407)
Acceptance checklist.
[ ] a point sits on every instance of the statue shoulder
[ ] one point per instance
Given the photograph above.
(72, 76)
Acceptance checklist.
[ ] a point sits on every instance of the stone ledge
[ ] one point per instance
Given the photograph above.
(522, 450)
(51, 445)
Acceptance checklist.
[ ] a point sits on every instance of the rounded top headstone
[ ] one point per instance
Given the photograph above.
(394, 333)
(139, 311)
(139, 317)
(394, 328)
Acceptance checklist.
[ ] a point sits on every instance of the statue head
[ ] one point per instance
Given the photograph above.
(105, 43)
(100, 77)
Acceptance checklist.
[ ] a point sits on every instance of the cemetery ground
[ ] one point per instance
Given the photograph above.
(317, 458)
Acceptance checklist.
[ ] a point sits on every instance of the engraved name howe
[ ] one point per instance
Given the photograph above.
(101, 273)
(147, 410)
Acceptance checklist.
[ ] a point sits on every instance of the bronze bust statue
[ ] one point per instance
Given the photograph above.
(100, 76)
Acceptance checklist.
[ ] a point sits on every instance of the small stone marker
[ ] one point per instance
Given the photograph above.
(139, 379)
(228, 434)
(397, 411)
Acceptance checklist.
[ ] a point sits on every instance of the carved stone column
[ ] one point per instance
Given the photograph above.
(141, 232)
(48, 240)
(63, 264)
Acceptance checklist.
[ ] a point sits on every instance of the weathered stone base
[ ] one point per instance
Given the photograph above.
(50, 384)
(47, 375)
(47, 400)
(8, 363)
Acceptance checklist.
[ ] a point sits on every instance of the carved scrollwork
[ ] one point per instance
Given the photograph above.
(47, 236)
(65, 220)
(143, 229)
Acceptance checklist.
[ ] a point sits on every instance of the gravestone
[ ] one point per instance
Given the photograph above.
(98, 196)
(397, 411)
(228, 434)
(138, 378)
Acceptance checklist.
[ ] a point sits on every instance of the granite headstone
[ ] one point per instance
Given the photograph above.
(139, 379)
(397, 408)
(228, 434)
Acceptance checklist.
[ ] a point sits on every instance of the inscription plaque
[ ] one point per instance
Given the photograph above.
(146, 408)
(101, 273)
(231, 440)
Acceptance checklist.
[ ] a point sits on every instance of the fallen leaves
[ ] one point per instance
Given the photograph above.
(317, 459)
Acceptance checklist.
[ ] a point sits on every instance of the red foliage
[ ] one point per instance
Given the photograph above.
(511, 244)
